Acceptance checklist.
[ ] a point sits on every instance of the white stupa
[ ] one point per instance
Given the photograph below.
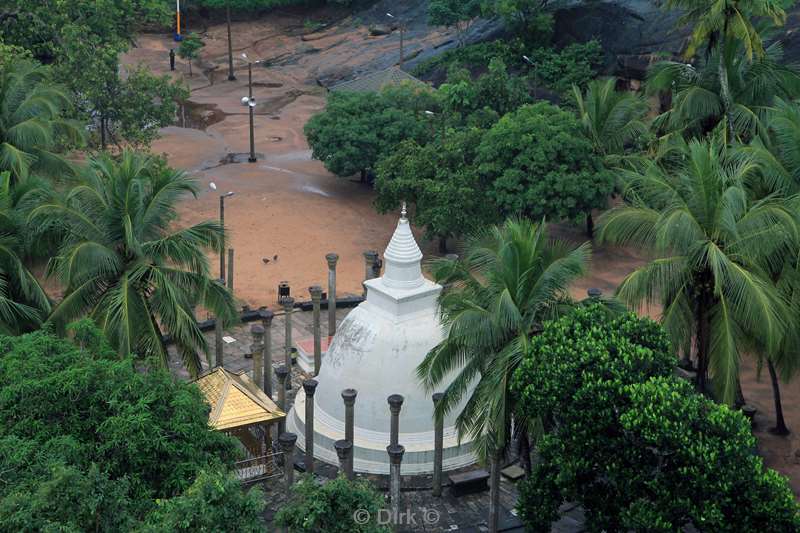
(376, 351)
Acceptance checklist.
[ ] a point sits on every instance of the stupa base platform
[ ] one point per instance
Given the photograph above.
(369, 447)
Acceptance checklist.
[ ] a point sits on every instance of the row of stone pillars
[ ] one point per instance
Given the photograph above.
(344, 447)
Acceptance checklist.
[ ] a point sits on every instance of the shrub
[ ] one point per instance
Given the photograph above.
(635, 446)
(333, 507)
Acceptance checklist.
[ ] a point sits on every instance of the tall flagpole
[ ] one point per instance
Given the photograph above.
(177, 20)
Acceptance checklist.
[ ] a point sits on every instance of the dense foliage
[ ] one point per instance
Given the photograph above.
(331, 507)
(634, 446)
(124, 263)
(540, 165)
(357, 129)
(88, 442)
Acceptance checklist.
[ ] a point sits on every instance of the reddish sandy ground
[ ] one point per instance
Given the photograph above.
(287, 205)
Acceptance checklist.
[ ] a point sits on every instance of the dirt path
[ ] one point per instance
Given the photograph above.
(288, 212)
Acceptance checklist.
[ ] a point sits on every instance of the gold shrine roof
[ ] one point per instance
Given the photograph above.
(235, 400)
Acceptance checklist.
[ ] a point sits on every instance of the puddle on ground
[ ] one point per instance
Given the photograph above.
(198, 116)
(314, 190)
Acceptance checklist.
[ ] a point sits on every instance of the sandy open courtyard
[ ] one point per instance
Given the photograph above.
(288, 211)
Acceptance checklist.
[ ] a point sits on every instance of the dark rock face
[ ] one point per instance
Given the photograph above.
(637, 33)
(634, 33)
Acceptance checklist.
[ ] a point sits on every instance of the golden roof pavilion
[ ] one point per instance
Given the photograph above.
(236, 401)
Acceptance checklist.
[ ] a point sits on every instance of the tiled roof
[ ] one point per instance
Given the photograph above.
(378, 80)
(235, 400)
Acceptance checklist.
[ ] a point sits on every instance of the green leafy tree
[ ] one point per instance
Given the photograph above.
(458, 14)
(128, 108)
(510, 280)
(610, 119)
(440, 180)
(332, 507)
(635, 446)
(214, 502)
(718, 24)
(125, 264)
(356, 129)
(189, 48)
(37, 26)
(697, 106)
(541, 165)
(32, 122)
(713, 245)
(529, 19)
(88, 441)
(558, 70)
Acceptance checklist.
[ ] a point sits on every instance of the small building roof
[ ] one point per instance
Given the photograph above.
(235, 400)
(373, 83)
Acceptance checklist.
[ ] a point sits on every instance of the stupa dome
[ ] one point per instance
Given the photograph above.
(376, 351)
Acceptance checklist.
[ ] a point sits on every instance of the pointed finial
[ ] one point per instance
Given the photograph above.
(403, 212)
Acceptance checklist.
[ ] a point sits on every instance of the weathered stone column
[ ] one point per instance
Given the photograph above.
(395, 403)
(332, 259)
(344, 450)
(438, 444)
(395, 458)
(230, 269)
(370, 257)
(282, 372)
(257, 349)
(316, 298)
(288, 309)
(349, 397)
(310, 386)
(218, 335)
(266, 322)
(287, 442)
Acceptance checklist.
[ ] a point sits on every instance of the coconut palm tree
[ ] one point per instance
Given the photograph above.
(24, 305)
(611, 119)
(125, 264)
(511, 278)
(719, 23)
(697, 104)
(31, 121)
(714, 247)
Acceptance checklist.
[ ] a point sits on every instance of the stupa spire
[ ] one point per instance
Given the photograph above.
(403, 257)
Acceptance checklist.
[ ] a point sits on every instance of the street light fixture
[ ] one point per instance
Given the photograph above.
(402, 29)
(251, 103)
(213, 187)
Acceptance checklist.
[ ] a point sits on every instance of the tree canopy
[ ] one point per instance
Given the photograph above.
(88, 442)
(635, 446)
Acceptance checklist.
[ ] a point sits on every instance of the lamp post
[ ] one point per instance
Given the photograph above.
(231, 76)
(251, 103)
(402, 29)
(213, 187)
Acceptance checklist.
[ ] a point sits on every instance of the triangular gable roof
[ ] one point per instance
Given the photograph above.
(235, 400)
(378, 80)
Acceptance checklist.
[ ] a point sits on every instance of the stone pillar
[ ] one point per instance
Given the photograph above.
(395, 403)
(266, 322)
(288, 309)
(257, 349)
(218, 335)
(370, 257)
(282, 372)
(349, 397)
(230, 269)
(332, 259)
(287, 442)
(310, 386)
(438, 445)
(395, 458)
(344, 450)
(316, 299)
